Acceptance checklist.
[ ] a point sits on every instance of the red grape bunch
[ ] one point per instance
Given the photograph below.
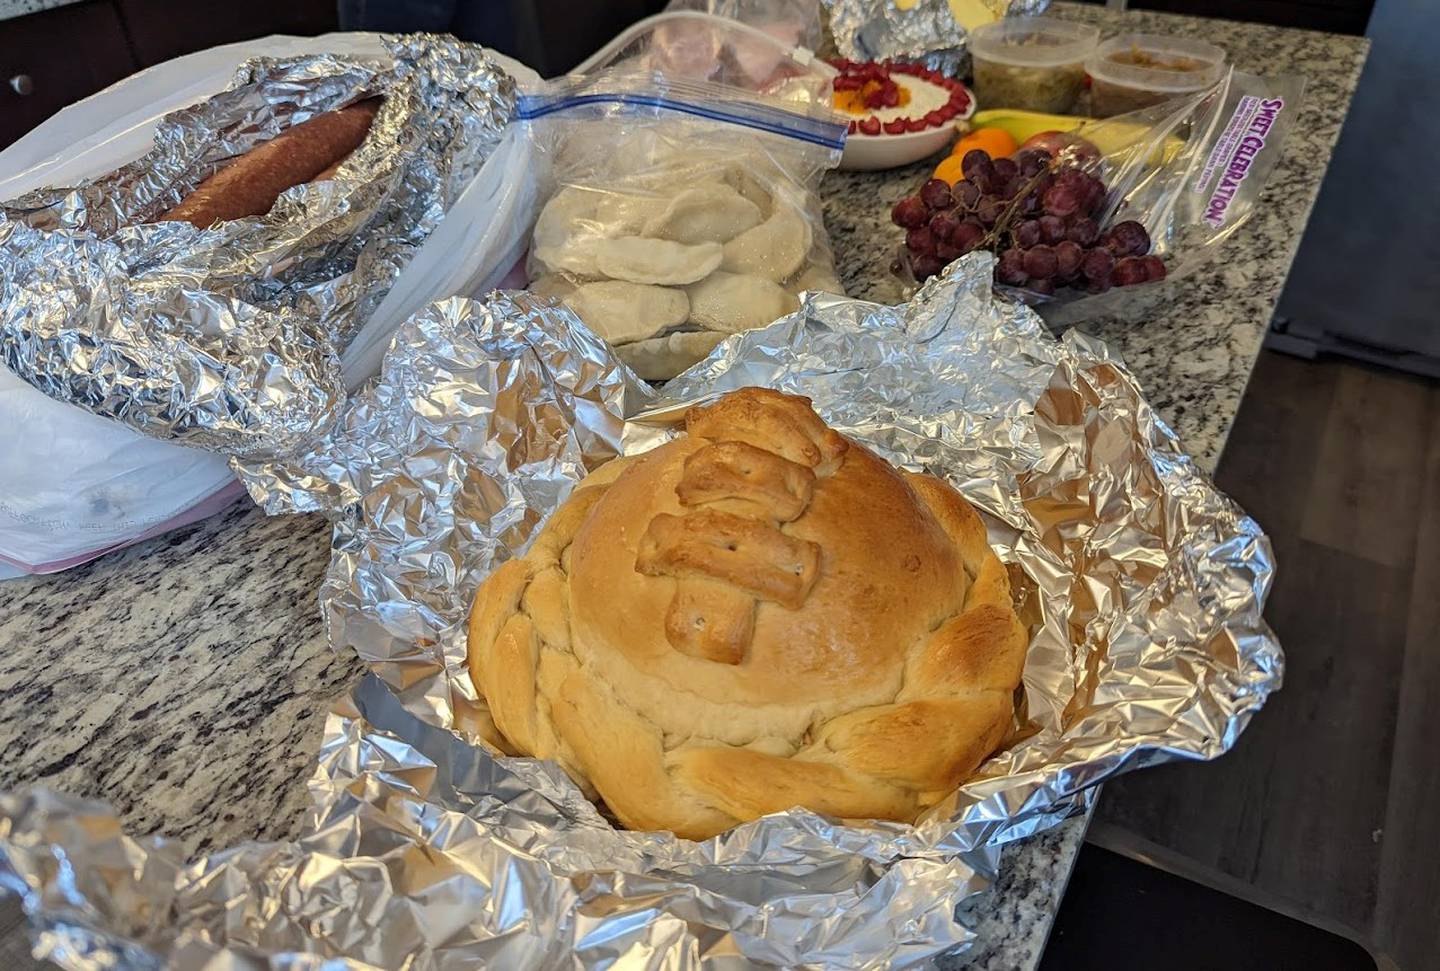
(1037, 216)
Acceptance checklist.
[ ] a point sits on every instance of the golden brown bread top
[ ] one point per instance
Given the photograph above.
(756, 615)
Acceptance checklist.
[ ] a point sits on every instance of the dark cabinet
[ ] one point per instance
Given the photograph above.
(56, 57)
(51, 59)
(523, 29)
(518, 28)
(162, 29)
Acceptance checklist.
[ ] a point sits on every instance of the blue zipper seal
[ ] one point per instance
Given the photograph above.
(793, 125)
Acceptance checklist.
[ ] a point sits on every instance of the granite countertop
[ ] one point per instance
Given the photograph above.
(9, 9)
(186, 680)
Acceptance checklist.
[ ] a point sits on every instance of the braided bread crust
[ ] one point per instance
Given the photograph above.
(757, 615)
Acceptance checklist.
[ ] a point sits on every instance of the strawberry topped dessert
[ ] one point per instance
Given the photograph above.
(884, 97)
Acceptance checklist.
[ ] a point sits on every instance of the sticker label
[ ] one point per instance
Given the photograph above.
(1238, 146)
(1225, 144)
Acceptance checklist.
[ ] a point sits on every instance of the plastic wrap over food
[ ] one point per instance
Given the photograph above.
(697, 46)
(926, 31)
(793, 22)
(229, 338)
(1141, 584)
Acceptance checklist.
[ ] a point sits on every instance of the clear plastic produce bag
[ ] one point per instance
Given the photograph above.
(709, 47)
(1162, 187)
(677, 212)
(793, 22)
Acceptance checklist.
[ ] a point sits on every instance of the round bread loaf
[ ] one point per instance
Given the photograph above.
(757, 615)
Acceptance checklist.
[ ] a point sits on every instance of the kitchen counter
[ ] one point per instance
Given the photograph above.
(185, 681)
(10, 9)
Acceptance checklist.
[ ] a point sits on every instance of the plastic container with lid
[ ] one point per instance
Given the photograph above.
(1134, 71)
(1032, 63)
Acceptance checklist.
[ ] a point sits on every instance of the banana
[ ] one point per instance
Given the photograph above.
(1108, 135)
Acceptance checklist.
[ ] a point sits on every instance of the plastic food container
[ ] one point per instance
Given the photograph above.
(1135, 71)
(1033, 63)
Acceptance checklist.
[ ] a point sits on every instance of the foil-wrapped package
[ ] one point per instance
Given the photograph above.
(912, 30)
(1142, 585)
(229, 338)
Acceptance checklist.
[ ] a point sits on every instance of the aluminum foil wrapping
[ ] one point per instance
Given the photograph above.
(1142, 584)
(920, 30)
(229, 338)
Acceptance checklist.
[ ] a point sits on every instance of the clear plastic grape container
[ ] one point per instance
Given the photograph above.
(1031, 63)
(1097, 220)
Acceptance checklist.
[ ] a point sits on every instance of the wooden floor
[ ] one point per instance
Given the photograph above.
(1331, 799)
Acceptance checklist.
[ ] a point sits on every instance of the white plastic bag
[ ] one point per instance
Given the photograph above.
(73, 485)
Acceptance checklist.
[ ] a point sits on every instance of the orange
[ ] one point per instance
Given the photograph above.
(853, 102)
(997, 141)
(949, 170)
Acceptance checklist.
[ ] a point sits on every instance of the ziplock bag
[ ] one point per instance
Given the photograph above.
(677, 212)
(75, 485)
(1190, 170)
(793, 22)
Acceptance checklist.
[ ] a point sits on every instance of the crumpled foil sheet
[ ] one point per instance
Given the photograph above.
(924, 30)
(229, 338)
(1142, 584)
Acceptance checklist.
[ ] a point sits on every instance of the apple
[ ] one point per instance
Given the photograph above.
(1064, 145)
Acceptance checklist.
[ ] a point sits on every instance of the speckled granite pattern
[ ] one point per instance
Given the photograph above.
(1012, 920)
(186, 680)
(19, 8)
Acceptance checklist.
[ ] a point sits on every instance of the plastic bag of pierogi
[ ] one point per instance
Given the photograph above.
(677, 212)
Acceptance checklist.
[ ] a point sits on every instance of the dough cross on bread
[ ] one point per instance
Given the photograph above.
(727, 551)
(754, 616)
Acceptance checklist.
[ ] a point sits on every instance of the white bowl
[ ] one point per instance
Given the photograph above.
(866, 153)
